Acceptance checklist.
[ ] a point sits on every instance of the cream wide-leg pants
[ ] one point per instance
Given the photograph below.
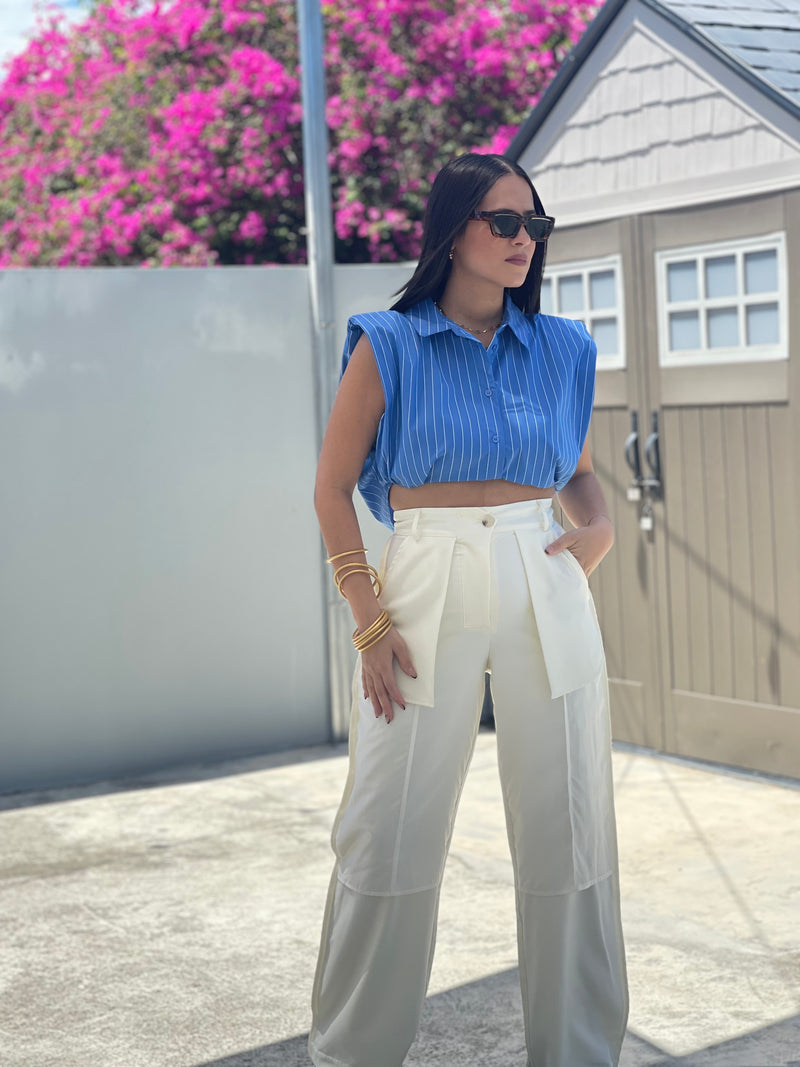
(471, 590)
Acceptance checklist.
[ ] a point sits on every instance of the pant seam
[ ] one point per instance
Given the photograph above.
(568, 754)
(566, 892)
(388, 893)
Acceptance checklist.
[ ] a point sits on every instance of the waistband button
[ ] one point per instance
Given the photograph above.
(488, 521)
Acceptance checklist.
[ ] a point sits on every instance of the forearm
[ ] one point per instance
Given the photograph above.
(583, 501)
(341, 533)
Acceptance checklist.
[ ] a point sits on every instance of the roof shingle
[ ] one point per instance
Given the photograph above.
(763, 34)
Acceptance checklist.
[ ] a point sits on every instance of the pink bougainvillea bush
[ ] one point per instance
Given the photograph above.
(171, 133)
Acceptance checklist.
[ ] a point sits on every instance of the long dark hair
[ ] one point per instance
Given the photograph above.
(457, 191)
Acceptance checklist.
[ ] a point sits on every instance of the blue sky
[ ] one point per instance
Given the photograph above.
(18, 16)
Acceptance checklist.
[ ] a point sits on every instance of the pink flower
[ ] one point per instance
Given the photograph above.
(171, 133)
(252, 227)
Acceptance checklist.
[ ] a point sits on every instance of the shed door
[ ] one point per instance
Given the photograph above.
(724, 553)
(625, 592)
(700, 613)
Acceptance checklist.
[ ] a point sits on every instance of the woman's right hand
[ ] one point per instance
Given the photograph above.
(377, 673)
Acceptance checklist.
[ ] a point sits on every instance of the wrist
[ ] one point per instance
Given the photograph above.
(605, 530)
(360, 595)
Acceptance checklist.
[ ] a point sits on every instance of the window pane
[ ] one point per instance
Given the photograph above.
(602, 289)
(721, 276)
(684, 330)
(761, 272)
(682, 280)
(547, 298)
(604, 332)
(723, 328)
(762, 324)
(570, 293)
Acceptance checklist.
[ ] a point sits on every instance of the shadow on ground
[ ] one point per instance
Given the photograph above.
(194, 772)
(480, 1025)
(206, 771)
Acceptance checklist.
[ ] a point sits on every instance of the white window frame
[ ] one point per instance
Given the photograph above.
(742, 353)
(585, 267)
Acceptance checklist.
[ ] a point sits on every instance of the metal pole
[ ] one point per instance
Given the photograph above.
(319, 245)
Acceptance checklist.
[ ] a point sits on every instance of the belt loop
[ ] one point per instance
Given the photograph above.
(414, 525)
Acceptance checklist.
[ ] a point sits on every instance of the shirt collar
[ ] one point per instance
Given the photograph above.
(426, 319)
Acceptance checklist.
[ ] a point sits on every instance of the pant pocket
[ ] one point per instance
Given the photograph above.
(565, 617)
(574, 564)
(416, 582)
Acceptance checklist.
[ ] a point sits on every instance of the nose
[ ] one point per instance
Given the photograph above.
(523, 238)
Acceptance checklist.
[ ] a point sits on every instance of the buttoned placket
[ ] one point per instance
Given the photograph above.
(500, 437)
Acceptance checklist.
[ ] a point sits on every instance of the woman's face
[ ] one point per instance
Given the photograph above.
(480, 256)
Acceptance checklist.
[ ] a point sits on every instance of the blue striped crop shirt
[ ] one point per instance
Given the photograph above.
(457, 412)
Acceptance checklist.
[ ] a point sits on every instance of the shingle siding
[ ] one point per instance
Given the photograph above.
(651, 118)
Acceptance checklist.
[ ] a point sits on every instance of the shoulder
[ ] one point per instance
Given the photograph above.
(392, 341)
(568, 336)
(558, 327)
(381, 323)
(392, 337)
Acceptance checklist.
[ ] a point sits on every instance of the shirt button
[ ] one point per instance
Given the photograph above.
(488, 521)
(495, 438)
(487, 392)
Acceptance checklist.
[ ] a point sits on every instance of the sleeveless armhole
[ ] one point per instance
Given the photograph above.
(383, 349)
(375, 481)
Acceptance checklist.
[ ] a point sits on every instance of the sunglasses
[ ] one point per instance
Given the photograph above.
(508, 223)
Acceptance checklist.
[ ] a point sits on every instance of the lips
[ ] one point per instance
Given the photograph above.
(519, 261)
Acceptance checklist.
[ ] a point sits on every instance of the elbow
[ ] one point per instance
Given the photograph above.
(319, 496)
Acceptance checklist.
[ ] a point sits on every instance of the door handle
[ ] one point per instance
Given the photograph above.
(633, 459)
(652, 455)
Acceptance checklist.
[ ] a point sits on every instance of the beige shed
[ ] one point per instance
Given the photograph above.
(668, 148)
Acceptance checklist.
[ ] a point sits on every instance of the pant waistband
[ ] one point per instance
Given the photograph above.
(522, 513)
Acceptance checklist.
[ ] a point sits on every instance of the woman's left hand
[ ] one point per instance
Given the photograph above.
(588, 544)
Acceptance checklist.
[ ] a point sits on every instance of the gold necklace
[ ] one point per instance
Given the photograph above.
(469, 328)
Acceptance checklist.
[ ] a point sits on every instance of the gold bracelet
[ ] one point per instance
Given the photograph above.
(374, 626)
(373, 633)
(374, 641)
(352, 552)
(347, 569)
(357, 568)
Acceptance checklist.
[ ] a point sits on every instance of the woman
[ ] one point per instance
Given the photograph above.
(461, 412)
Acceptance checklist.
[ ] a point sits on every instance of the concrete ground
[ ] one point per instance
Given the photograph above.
(173, 921)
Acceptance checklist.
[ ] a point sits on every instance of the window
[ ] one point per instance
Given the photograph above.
(722, 303)
(591, 292)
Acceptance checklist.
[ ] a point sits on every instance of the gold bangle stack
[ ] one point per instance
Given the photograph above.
(346, 569)
(373, 633)
(369, 637)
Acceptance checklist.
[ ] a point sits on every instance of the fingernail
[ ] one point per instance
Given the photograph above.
(413, 674)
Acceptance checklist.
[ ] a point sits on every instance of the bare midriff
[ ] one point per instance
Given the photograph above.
(464, 494)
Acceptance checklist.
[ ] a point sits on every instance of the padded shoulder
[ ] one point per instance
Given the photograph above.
(386, 331)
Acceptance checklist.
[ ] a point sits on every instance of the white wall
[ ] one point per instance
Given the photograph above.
(160, 592)
(161, 598)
